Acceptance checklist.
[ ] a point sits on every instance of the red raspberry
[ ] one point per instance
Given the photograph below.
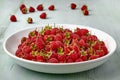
(23, 39)
(73, 56)
(22, 6)
(92, 38)
(40, 58)
(76, 48)
(69, 61)
(40, 44)
(54, 45)
(26, 49)
(53, 60)
(43, 15)
(73, 6)
(84, 7)
(75, 36)
(81, 32)
(78, 60)
(82, 42)
(61, 57)
(31, 9)
(94, 57)
(29, 56)
(54, 31)
(58, 37)
(24, 10)
(86, 12)
(13, 18)
(100, 53)
(54, 55)
(47, 32)
(30, 20)
(104, 48)
(51, 7)
(84, 57)
(40, 7)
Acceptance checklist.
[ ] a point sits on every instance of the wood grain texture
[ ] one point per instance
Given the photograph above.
(104, 15)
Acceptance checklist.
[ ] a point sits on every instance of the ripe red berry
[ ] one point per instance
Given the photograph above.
(74, 56)
(40, 58)
(86, 12)
(43, 15)
(40, 7)
(51, 7)
(31, 9)
(26, 49)
(53, 60)
(84, 7)
(94, 57)
(40, 44)
(73, 6)
(30, 20)
(82, 43)
(22, 6)
(13, 18)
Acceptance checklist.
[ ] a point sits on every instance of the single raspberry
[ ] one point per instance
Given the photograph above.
(26, 49)
(84, 7)
(47, 32)
(53, 60)
(40, 58)
(22, 6)
(31, 9)
(51, 7)
(73, 6)
(54, 55)
(24, 10)
(40, 44)
(40, 7)
(69, 61)
(82, 43)
(23, 39)
(74, 56)
(30, 20)
(58, 37)
(13, 18)
(62, 57)
(100, 53)
(86, 12)
(43, 15)
(78, 60)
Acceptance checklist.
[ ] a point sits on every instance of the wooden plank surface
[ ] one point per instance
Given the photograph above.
(104, 15)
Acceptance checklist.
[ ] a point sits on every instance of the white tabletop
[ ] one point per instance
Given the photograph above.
(104, 15)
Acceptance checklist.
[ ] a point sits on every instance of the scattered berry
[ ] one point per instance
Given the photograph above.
(24, 10)
(30, 20)
(84, 7)
(86, 12)
(13, 18)
(43, 15)
(51, 7)
(22, 6)
(40, 7)
(73, 6)
(31, 9)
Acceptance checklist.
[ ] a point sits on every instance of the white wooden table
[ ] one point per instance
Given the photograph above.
(104, 15)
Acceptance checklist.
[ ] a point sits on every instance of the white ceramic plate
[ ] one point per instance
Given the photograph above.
(11, 43)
